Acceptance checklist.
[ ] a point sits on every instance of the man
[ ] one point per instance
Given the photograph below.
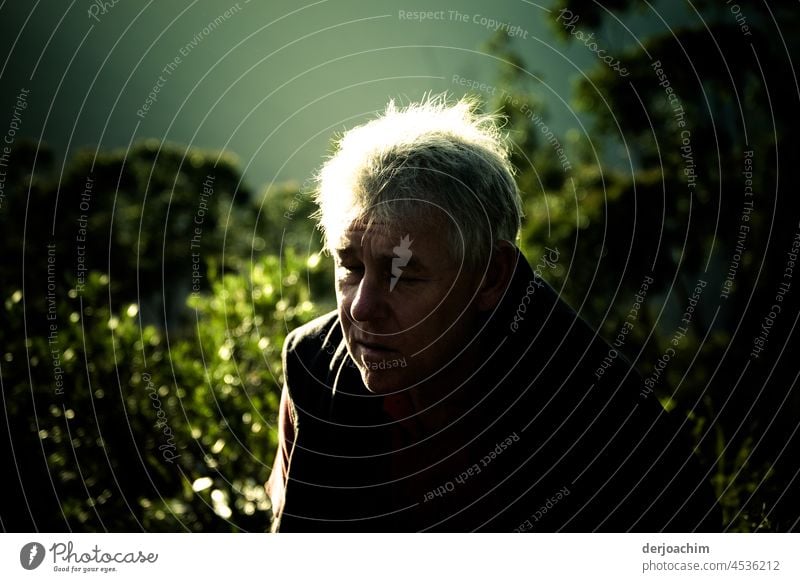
(452, 390)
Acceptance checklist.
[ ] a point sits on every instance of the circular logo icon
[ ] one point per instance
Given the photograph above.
(31, 555)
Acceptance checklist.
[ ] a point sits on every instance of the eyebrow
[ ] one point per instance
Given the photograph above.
(414, 263)
(346, 252)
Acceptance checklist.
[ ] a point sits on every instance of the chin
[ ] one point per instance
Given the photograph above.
(382, 381)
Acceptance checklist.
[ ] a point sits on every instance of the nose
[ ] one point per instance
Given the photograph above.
(369, 303)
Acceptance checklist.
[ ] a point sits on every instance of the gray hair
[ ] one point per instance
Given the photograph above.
(449, 157)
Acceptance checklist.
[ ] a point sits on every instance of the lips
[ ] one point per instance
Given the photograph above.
(374, 351)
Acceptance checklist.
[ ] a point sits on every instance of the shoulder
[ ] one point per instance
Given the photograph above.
(308, 356)
(314, 335)
(538, 322)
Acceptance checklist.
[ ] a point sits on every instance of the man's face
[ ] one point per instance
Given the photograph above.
(405, 309)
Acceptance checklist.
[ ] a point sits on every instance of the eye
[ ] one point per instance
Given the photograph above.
(352, 268)
(408, 280)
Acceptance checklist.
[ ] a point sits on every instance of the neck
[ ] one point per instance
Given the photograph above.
(441, 400)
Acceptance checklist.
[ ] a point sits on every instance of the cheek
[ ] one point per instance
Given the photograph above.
(414, 317)
(424, 322)
(450, 304)
(453, 322)
(344, 295)
(345, 319)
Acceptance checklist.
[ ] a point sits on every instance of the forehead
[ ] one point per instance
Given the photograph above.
(360, 233)
(425, 244)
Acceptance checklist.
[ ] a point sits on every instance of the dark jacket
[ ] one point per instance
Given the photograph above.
(545, 446)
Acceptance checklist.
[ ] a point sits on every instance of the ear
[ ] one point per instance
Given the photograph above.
(498, 275)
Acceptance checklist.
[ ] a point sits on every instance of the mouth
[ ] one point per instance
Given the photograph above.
(373, 351)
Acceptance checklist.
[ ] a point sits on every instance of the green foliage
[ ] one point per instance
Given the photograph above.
(154, 414)
(616, 221)
(140, 401)
(129, 421)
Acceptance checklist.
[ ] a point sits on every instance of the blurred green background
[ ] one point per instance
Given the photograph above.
(141, 393)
